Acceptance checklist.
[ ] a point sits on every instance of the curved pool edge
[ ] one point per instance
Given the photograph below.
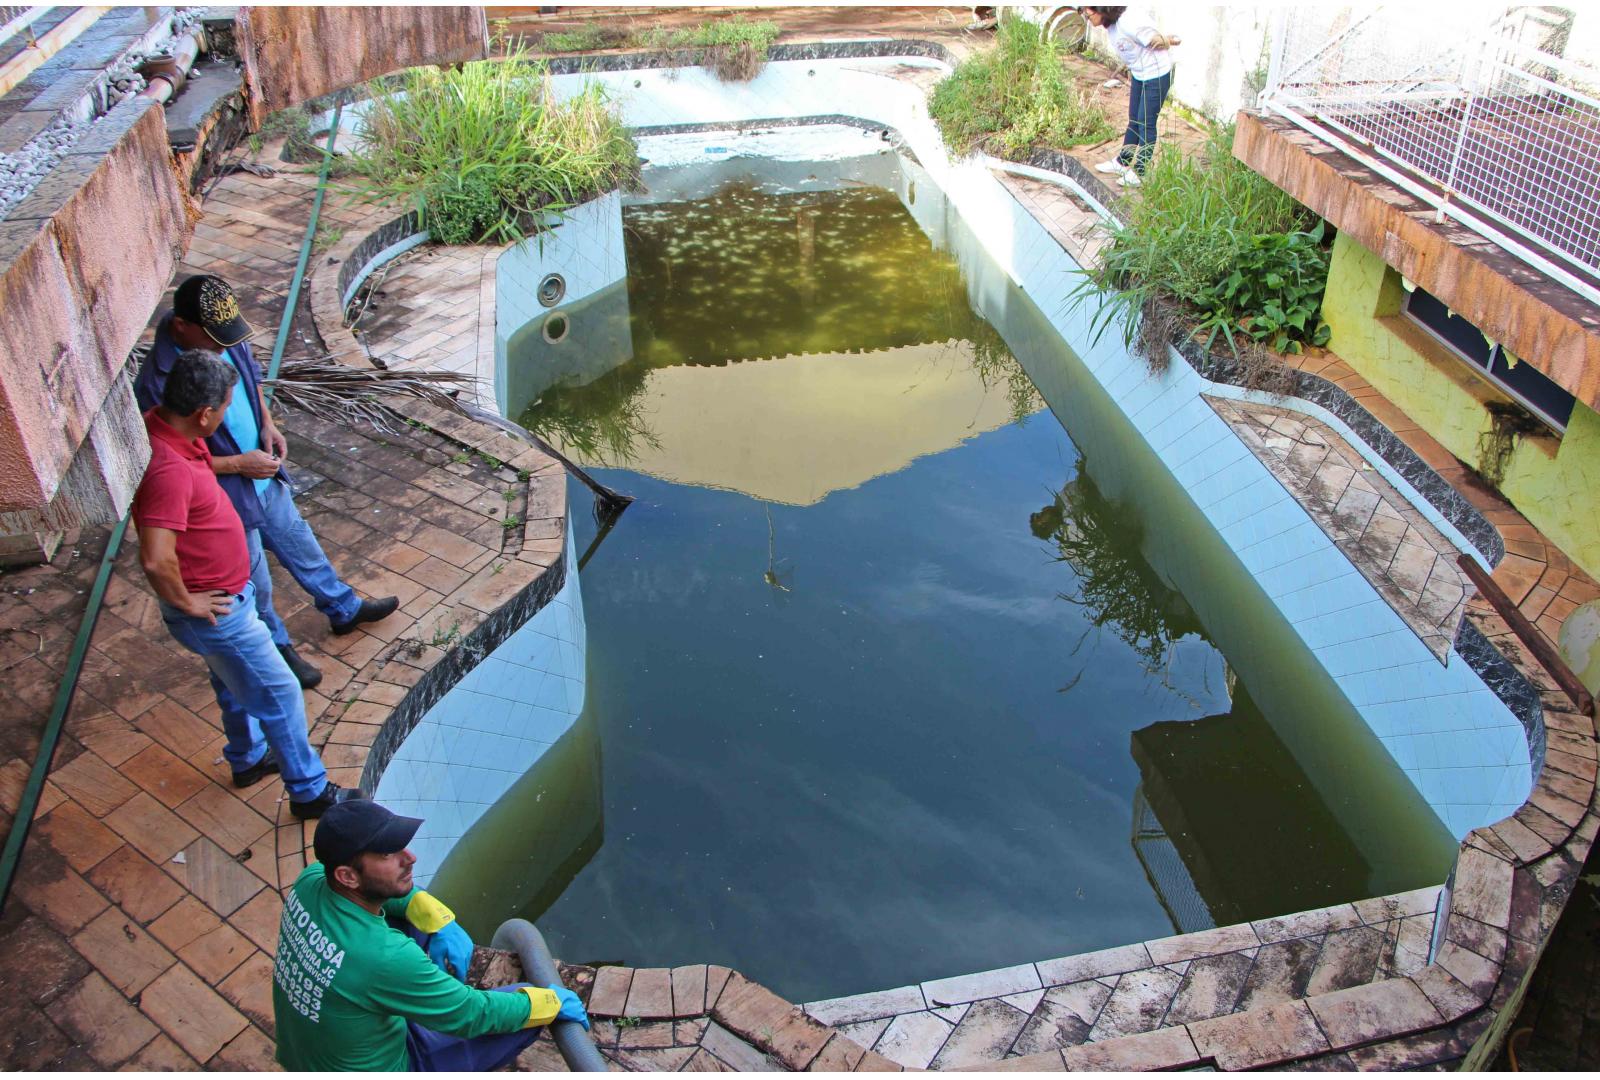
(1509, 885)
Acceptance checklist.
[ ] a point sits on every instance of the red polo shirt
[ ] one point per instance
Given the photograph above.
(180, 492)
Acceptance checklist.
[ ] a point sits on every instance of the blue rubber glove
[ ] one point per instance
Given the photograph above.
(571, 1007)
(450, 948)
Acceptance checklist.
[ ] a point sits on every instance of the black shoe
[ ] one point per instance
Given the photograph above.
(369, 611)
(331, 795)
(303, 669)
(257, 772)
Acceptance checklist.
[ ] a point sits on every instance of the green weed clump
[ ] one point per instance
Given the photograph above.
(1015, 97)
(485, 153)
(1214, 240)
(584, 39)
(734, 49)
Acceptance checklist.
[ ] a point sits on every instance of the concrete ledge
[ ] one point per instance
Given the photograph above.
(73, 309)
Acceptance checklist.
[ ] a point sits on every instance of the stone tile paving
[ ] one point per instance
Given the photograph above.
(140, 928)
(1056, 1005)
(425, 313)
(1408, 560)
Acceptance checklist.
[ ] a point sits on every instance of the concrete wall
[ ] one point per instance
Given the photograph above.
(293, 54)
(86, 257)
(1555, 483)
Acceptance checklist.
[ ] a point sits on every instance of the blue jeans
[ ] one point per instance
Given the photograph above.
(432, 1052)
(261, 700)
(1145, 98)
(287, 536)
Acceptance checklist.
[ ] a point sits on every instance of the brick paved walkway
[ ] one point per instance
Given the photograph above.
(142, 923)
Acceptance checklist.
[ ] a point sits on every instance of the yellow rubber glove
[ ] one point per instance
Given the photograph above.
(427, 914)
(543, 1005)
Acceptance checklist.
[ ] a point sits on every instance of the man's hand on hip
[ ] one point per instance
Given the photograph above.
(209, 605)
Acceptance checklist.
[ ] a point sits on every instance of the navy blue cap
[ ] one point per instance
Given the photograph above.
(347, 829)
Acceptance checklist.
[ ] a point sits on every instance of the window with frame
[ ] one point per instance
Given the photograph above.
(1524, 383)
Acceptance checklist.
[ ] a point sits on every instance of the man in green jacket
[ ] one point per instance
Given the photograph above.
(351, 991)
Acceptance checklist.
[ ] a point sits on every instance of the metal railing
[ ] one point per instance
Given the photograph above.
(1476, 110)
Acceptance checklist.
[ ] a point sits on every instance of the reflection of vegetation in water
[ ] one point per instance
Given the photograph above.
(995, 365)
(1116, 586)
(601, 421)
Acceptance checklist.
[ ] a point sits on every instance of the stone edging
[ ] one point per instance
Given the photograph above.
(530, 579)
(1508, 887)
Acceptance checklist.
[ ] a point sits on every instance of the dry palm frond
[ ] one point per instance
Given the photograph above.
(341, 394)
(337, 392)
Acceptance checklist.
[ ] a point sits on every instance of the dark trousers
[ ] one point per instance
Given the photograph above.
(431, 1051)
(1145, 98)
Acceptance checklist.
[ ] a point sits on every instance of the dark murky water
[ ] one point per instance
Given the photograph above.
(886, 682)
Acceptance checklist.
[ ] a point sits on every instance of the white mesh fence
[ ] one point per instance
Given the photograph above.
(1474, 109)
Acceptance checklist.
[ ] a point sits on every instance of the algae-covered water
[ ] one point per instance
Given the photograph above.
(889, 674)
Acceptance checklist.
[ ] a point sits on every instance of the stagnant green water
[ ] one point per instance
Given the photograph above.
(884, 682)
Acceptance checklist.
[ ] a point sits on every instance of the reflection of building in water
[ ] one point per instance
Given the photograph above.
(793, 429)
(1226, 824)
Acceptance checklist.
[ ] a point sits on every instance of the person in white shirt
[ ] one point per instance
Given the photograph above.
(1146, 52)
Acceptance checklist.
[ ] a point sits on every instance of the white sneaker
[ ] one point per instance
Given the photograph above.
(1129, 179)
(1111, 167)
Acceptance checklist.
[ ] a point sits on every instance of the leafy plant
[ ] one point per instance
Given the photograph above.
(484, 152)
(1015, 97)
(1212, 242)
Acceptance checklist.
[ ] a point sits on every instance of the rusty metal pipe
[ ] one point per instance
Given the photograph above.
(165, 76)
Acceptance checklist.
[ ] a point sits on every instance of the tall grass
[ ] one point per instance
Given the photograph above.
(1209, 236)
(734, 48)
(484, 152)
(1015, 97)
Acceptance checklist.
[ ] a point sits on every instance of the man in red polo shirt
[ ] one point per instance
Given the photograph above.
(192, 547)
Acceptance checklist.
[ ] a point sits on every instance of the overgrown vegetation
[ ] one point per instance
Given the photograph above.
(1210, 241)
(734, 48)
(1015, 97)
(485, 153)
(293, 126)
(1508, 423)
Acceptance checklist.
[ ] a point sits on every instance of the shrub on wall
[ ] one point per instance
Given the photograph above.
(484, 152)
(1217, 241)
(1015, 97)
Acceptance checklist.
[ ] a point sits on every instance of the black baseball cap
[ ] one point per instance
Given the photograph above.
(208, 302)
(347, 829)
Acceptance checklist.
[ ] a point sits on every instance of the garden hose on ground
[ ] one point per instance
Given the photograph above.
(28, 804)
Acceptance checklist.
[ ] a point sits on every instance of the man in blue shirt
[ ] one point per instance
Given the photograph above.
(247, 456)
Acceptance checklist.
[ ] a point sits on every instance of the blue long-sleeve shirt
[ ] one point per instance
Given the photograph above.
(151, 384)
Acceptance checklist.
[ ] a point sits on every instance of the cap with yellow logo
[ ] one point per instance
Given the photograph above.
(208, 302)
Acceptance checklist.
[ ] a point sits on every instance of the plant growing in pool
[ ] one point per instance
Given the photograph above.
(484, 152)
(734, 49)
(1015, 97)
(1212, 242)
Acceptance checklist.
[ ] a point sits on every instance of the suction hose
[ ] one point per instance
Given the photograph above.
(523, 938)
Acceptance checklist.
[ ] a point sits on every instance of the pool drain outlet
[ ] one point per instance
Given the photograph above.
(556, 325)
(552, 289)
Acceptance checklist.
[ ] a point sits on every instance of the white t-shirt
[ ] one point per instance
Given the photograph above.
(1130, 37)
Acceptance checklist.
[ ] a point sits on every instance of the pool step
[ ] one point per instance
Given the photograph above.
(1402, 555)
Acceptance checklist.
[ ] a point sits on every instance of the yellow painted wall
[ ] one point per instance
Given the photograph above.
(1554, 483)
